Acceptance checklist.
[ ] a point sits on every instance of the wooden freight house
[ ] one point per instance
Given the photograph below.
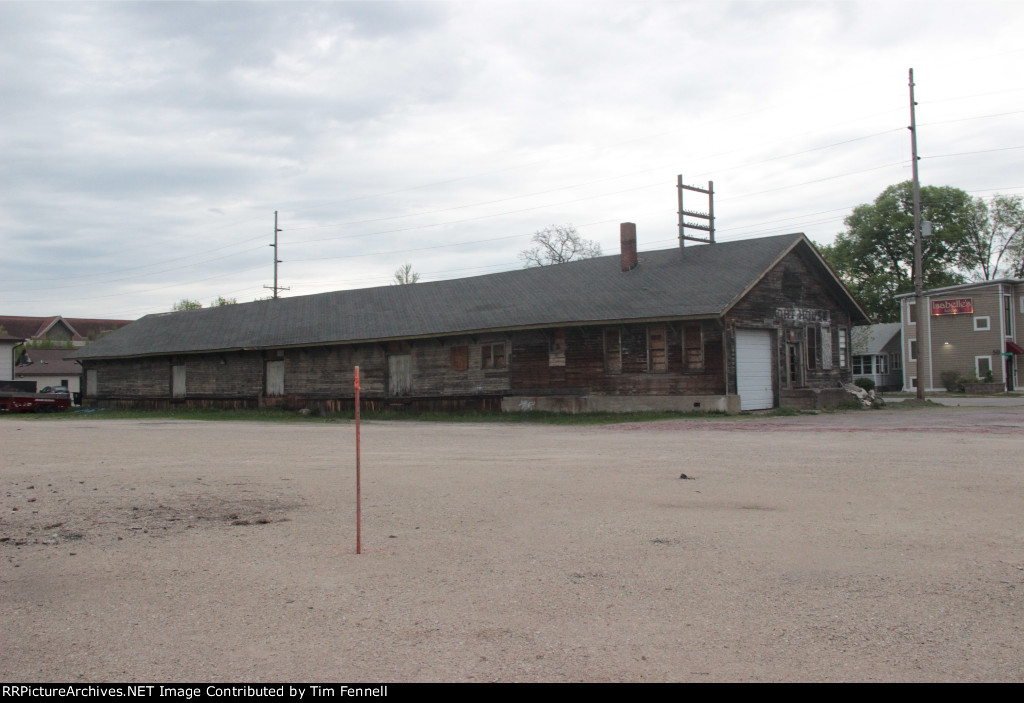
(719, 327)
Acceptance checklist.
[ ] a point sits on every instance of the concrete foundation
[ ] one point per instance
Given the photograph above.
(814, 398)
(622, 403)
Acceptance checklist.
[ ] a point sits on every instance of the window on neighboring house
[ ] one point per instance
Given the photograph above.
(913, 350)
(612, 352)
(693, 343)
(982, 324)
(858, 365)
(913, 381)
(911, 313)
(1008, 316)
(492, 356)
(842, 348)
(657, 349)
(896, 361)
(460, 358)
(881, 364)
(812, 347)
(982, 366)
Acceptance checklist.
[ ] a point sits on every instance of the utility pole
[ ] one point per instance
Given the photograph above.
(923, 346)
(276, 287)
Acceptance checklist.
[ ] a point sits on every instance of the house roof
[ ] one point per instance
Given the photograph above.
(80, 328)
(48, 362)
(703, 281)
(872, 339)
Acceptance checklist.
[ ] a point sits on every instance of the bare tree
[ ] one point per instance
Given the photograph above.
(558, 244)
(996, 237)
(404, 275)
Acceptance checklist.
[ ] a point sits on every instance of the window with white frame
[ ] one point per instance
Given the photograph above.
(913, 350)
(982, 366)
(982, 323)
(911, 313)
(881, 364)
(896, 361)
(842, 348)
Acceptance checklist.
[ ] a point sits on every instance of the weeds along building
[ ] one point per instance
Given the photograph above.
(971, 329)
(718, 327)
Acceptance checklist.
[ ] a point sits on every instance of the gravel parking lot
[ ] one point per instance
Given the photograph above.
(861, 546)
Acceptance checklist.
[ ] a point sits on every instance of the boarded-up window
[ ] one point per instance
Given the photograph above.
(492, 356)
(399, 374)
(812, 347)
(178, 381)
(657, 349)
(556, 353)
(460, 358)
(826, 348)
(693, 348)
(275, 378)
(90, 383)
(612, 352)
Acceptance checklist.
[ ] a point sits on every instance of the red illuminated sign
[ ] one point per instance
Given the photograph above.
(953, 306)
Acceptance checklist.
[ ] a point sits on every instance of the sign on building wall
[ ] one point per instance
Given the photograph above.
(802, 315)
(953, 306)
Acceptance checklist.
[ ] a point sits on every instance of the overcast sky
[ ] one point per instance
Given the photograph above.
(145, 146)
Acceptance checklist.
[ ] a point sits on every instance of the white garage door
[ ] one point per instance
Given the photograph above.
(754, 369)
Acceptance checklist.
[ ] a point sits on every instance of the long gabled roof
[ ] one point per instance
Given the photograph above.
(702, 281)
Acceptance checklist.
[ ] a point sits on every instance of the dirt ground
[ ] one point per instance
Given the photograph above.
(862, 546)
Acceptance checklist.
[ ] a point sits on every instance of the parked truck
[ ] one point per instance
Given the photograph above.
(25, 402)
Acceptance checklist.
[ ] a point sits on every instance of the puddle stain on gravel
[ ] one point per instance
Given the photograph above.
(96, 520)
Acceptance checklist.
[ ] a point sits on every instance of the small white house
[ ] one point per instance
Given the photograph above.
(877, 355)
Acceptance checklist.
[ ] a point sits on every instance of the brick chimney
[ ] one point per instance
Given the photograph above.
(627, 238)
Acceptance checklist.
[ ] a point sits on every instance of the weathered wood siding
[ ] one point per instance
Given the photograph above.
(230, 375)
(585, 370)
(794, 301)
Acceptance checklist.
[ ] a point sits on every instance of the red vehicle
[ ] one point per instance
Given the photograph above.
(22, 402)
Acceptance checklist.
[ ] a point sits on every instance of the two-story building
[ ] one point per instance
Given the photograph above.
(970, 329)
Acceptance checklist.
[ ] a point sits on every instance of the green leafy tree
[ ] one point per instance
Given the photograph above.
(875, 254)
(404, 275)
(186, 304)
(221, 300)
(558, 244)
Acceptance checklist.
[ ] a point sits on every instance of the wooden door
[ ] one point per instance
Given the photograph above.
(399, 374)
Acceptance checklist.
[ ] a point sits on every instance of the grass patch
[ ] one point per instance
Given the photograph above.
(291, 416)
(913, 404)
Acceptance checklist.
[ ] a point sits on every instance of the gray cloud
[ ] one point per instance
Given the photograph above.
(146, 145)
